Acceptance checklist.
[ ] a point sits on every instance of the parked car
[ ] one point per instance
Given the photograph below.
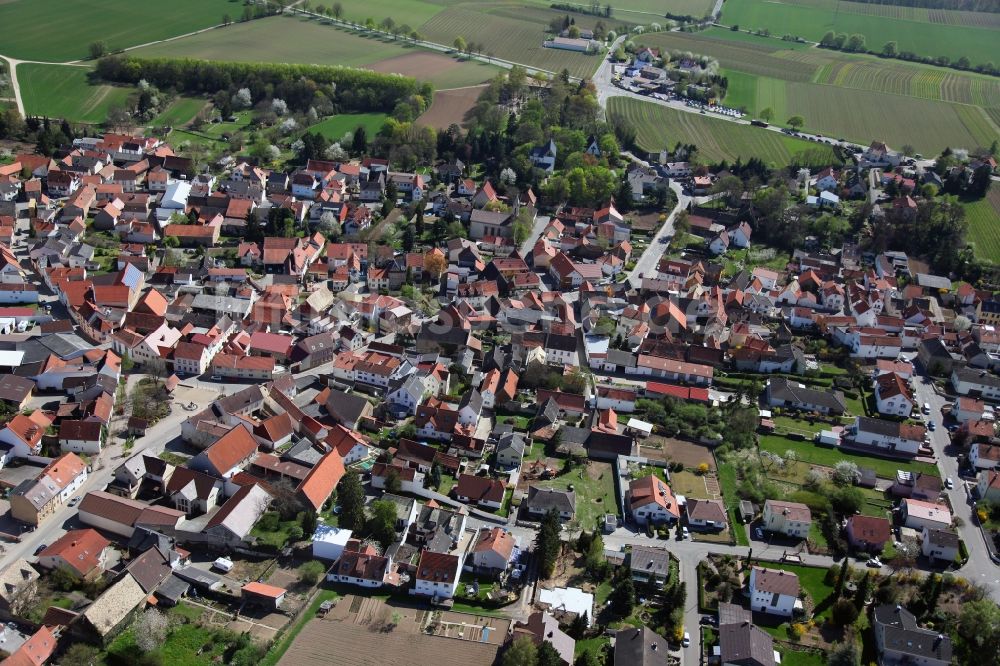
(759, 533)
(931, 425)
(874, 563)
(686, 641)
(949, 484)
(41, 547)
(74, 501)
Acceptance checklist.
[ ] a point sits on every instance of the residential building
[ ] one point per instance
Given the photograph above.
(940, 545)
(651, 501)
(789, 518)
(542, 500)
(773, 591)
(900, 640)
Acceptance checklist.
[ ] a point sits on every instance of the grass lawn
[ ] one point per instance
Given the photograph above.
(447, 483)
(593, 645)
(595, 491)
(727, 481)
(277, 537)
(717, 139)
(335, 127)
(829, 457)
(180, 112)
(792, 657)
(173, 458)
(119, 23)
(688, 484)
(63, 91)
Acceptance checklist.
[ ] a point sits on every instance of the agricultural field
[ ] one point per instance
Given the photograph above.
(335, 127)
(901, 103)
(450, 106)
(303, 40)
(511, 33)
(658, 126)
(925, 32)
(70, 25)
(63, 91)
(983, 217)
(180, 112)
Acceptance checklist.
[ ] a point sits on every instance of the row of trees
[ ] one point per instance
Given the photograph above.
(350, 90)
(856, 43)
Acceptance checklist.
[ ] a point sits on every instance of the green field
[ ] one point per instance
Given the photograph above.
(594, 485)
(334, 127)
(852, 96)
(659, 127)
(983, 217)
(303, 40)
(180, 112)
(63, 91)
(938, 34)
(61, 30)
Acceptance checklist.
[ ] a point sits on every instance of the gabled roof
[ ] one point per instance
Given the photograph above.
(652, 490)
(776, 581)
(80, 549)
(322, 479)
(233, 447)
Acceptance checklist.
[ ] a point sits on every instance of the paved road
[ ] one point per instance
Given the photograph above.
(980, 568)
(646, 264)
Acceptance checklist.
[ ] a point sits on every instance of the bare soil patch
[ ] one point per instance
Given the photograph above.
(418, 65)
(450, 106)
(669, 449)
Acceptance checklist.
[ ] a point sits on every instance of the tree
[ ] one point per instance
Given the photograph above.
(98, 49)
(845, 574)
(310, 572)
(864, 588)
(382, 523)
(594, 561)
(844, 654)
(795, 122)
(767, 114)
(521, 652)
(337, 10)
(578, 627)
(435, 476)
(843, 612)
(846, 473)
(623, 597)
(359, 143)
(548, 543)
(856, 42)
(151, 630)
(352, 501)
(890, 50)
(227, 19)
(392, 482)
(460, 44)
(435, 264)
(80, 654)
(548, 655)
(979, 628)
(329, 226)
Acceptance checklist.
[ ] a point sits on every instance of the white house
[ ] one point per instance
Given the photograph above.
(919, 514)
(789, 518)
(328, 542)
(984, 455)
(773, 591)
(889, 436)
(938, 544)
(364, 568)
(437, 575)
(892, 395)
(969, 380)
(493, 549)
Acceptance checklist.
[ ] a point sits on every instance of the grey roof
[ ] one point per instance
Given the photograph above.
(491, 218)
(901, 634)
(347, 407)
(412, 384)
(511, 441)
(548, 414)
(404, 505)
(793, 392)
(935, 348)
(241, 400)
(64, 345)
(14, 388)
(640, 647)
(981, 377)
(933, 281)
(38, 492)
(745, 645)
(650, 560)
(543, 499)
(733, 614)
(220, 304)
(473, 400)
(173, 588)
(619, 357)
(199, 577)
(943, 538)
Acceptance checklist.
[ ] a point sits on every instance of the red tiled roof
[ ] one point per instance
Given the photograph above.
(323, 478)
(231, 448)
(81, 549)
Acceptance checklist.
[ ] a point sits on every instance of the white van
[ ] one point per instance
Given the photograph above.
(927, 408)
(223, 564)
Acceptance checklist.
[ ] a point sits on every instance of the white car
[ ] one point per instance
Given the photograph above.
(949, 484)
(686, 641)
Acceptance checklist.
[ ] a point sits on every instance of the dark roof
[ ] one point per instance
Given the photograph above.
(640, 647)
(791, 391)
(543, 499)
(15, 389)
(901, 634)
(345, 407)
(743, 644)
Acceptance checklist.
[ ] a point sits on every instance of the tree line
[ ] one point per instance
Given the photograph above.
(992, 6)
(856, 44)
(351, 90)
